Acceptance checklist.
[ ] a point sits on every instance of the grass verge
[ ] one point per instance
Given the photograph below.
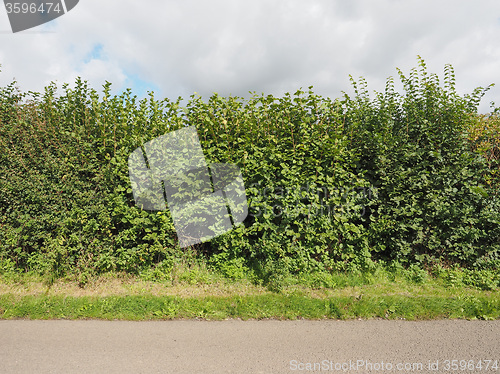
(211, 297)
(275, 306)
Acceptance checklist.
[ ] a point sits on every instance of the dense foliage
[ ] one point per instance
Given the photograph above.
(331, 184)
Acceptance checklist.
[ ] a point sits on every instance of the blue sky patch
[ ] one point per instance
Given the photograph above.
(140, 87)
(94, 54)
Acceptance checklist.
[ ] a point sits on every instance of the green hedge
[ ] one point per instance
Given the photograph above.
(331, 184)
(434, 204)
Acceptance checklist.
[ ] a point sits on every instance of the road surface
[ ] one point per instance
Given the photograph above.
(376, 346)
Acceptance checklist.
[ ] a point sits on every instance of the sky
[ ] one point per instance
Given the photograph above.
(233, 47)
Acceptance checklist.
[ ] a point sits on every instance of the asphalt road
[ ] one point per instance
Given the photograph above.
(376, 346)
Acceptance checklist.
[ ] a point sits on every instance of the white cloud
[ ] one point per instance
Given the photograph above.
(232, 47)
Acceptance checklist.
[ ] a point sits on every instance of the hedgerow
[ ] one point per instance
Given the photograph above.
(437, 200)
(331, 184)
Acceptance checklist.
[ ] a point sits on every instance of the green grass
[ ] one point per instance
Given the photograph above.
(197, 293)
(276, 306)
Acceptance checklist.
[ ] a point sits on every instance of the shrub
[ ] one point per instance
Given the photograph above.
(434, 204)
(331, 184)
